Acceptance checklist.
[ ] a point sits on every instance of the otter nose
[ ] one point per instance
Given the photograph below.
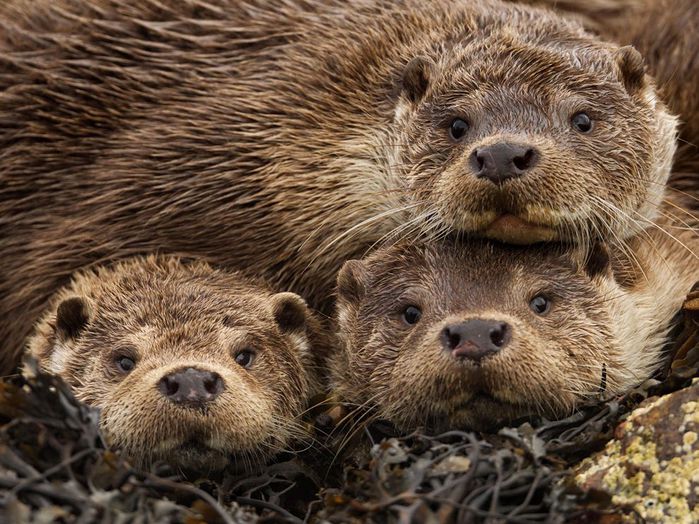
(501, 162)
(475, 339)
(192, 387)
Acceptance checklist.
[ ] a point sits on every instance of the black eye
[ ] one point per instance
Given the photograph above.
(458, 128)
(125, 364)
(540, 305)
(245, 358)
(581, 122)
(411, 315)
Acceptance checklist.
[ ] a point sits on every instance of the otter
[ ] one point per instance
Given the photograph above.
(663, 31)
(194, 366)
(478, 334)
(291, 136)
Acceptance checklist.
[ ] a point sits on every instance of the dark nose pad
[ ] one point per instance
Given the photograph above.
(475, 339)
(191, 387)
(501, 162)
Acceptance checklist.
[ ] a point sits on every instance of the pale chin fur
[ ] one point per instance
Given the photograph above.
(59, 359)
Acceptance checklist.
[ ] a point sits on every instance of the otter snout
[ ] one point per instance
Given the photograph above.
(502, 162)
(191, 387)
(475, 339)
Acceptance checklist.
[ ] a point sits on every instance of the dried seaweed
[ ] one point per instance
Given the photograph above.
(55, 466)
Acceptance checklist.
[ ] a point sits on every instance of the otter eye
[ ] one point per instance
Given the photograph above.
(581, 122)
(245, 358)
(458, 128)
(540, 304)
(411, 315)
(125, 364)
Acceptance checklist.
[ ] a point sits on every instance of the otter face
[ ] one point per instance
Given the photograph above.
(477, 335)
(525, 137)
(189, 366)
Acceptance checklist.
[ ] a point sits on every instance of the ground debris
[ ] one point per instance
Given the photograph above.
(55, 466)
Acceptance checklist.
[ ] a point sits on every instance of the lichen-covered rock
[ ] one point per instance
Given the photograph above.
(651, 468)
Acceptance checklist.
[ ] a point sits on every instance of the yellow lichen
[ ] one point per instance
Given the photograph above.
(661, 497)
(593, 465)
(642, 454)
(691, 410)
(657, 489)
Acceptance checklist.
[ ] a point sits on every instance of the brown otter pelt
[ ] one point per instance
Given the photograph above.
(290, 136)
(194, 366)
(664, 32)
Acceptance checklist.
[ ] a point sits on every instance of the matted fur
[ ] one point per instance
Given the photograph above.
(604, 333)
(283, 135)
(168, 315)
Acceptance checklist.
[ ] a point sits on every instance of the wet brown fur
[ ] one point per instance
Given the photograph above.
(604, 334)
(169, 315)
(284, 136)
(665, 32)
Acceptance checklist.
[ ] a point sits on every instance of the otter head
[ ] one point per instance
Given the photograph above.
(189, 365)
(528, 129)
(477, 335)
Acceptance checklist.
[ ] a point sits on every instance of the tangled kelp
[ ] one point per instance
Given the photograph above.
(54, 465)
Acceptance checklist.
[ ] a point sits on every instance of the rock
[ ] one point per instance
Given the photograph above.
(651, 468)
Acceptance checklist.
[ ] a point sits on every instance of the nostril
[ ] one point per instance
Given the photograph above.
(525, 161)
(498, 334)
(169, 386)
(478, 161)
(213, 384)
(453, 340)
(172, 387)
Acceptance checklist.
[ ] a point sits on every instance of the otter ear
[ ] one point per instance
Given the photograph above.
(416, 78)
(632, 68)
(72, 317)
(597, 260)
(351, 281)
(290, 311)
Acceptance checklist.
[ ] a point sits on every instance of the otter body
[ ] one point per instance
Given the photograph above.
(193, 366)
(292, 136)
(477, 335)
